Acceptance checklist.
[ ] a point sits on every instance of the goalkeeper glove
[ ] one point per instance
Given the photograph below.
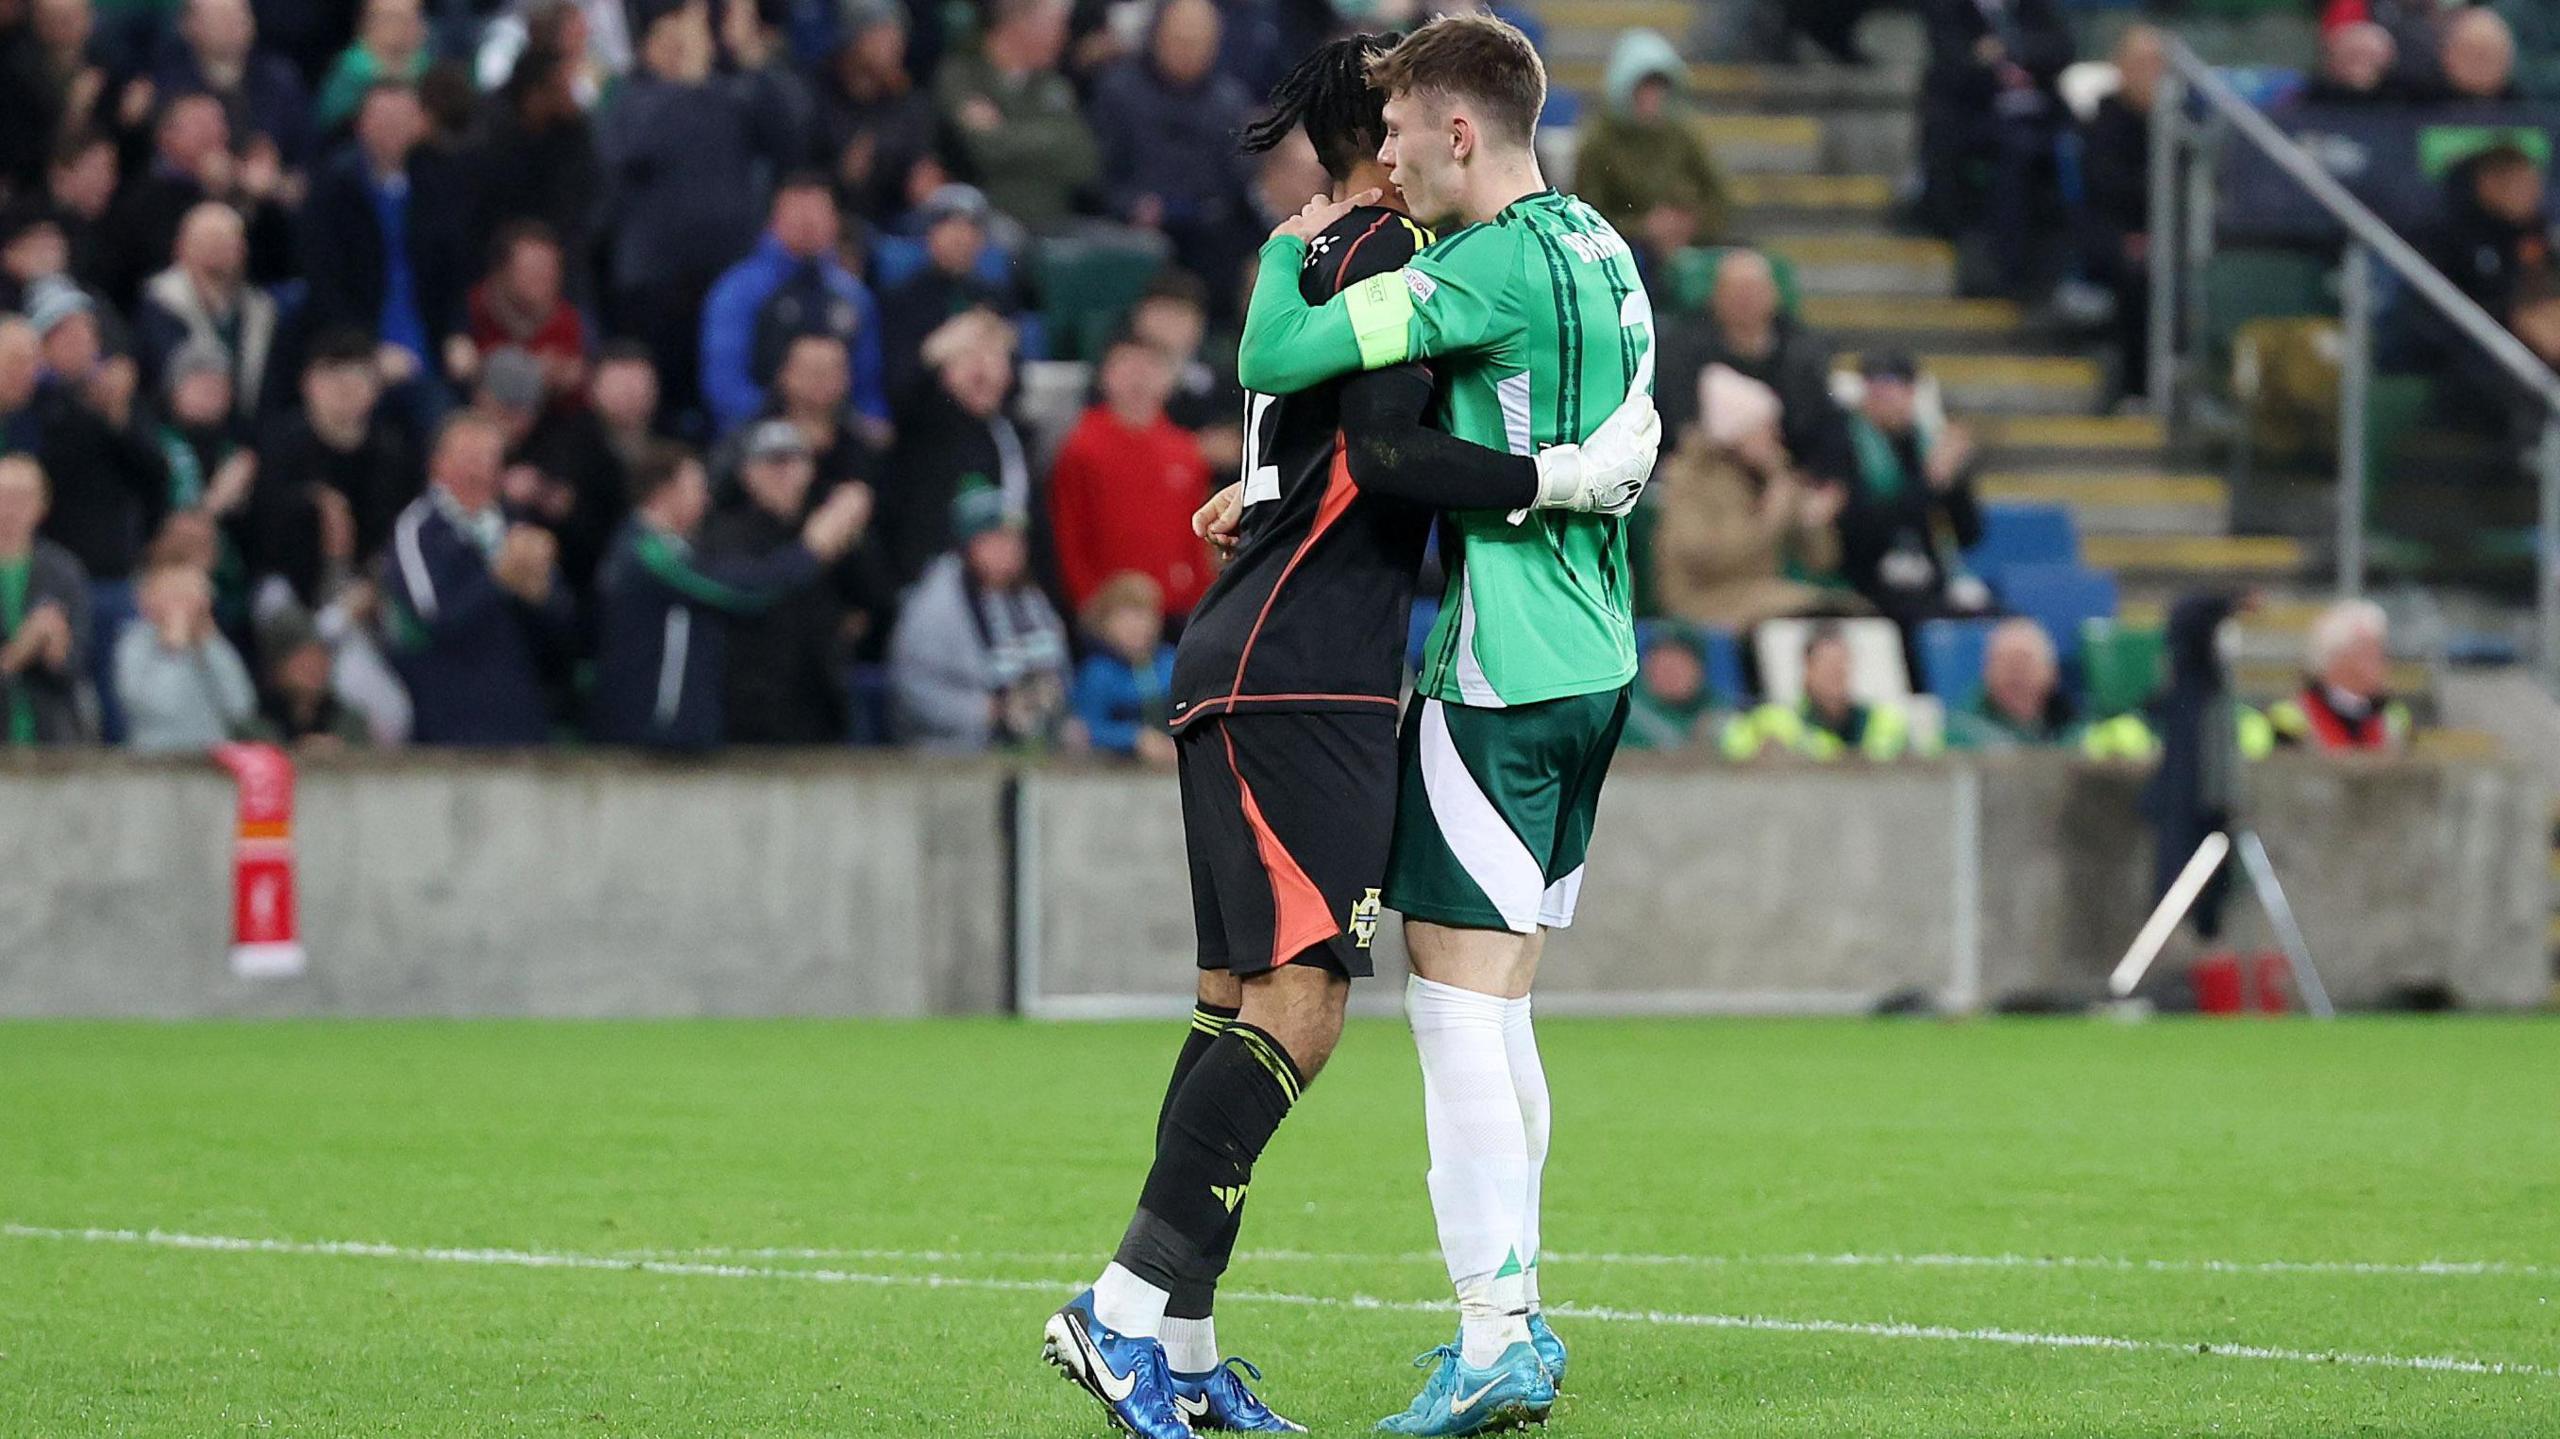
(1606, 473)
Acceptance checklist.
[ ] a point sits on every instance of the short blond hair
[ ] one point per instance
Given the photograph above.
(1127, 590)
(1470, 56)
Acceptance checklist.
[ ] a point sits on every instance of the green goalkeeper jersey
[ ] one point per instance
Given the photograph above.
(1538, 327)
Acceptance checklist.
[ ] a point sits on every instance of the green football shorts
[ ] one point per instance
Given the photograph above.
(1494, 809)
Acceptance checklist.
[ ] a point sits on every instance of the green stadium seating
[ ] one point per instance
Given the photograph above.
(1086, 286)
(2245, 285)
(2121, 666)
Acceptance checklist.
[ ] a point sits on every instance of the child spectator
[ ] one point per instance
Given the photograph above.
(1123, 687)
(1126, 483)
(182, 684)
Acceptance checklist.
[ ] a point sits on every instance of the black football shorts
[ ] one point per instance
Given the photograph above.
(1288, 818)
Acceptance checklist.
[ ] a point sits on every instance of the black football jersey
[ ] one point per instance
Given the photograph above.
(1312, 610)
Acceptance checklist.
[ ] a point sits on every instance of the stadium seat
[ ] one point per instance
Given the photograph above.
(1693, 277)
(2062, 598)
(1877, 672)
(1086, 286)
(2255, 284)
(2023, 535)
(1951, 656)
(2121, 666)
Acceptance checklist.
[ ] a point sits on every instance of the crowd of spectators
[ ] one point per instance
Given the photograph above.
(654, 372)
(650, 371)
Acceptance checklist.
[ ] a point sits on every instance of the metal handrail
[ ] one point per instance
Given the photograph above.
(2369, 239)
(2368, 228)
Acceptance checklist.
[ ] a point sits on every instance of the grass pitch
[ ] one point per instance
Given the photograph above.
(1777, 1228)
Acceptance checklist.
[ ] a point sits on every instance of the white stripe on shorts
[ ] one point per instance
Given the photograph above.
(1555, 910)
(1475, 831)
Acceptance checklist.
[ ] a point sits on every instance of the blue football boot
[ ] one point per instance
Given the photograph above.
(1218, 1403)
(1462, 1399)
(1550, 1348)
(1127, 1374)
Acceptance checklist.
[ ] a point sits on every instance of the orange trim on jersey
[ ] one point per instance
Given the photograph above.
(1343, 270)
(1338, 495)
(1300, 919)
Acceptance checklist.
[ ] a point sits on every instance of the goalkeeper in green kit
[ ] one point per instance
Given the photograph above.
(1536, 326)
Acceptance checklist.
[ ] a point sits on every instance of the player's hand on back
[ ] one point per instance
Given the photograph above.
(1219, 520)
(1320, 213)
(1605, 474)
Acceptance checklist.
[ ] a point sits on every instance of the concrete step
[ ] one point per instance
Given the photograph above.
(2198, 559)
(1887, 265)
(1809, 202)
(1578, 60)
(2287, 619)
(2079, 441)
(1920, 322)
(2120, 502)
(2262, 682)
(2010, 384)
(1674, 18)
(1765, 144)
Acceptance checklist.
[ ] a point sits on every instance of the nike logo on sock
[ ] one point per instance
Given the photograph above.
(1115, 1388)
(1461, 1406)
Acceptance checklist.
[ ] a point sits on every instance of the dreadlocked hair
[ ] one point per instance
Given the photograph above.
(1328, 93)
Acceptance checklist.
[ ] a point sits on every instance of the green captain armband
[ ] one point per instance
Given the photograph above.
(1381, 311)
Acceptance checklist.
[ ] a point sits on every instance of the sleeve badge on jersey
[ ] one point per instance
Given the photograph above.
(1422, 285)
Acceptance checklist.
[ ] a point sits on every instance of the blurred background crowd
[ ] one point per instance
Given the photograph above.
(684, 373)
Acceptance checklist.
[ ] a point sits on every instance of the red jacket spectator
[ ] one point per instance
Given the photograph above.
(523, 305)
(1126, 483)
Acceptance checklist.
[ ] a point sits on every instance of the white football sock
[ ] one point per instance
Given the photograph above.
(1127, 1304)
(1479, 1159)
(1529, 1083)
(1190, 1346)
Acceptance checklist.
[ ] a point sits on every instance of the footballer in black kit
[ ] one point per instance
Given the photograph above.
(1288, 678)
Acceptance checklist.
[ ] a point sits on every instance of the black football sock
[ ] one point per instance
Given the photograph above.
(1214, 1130)
(1208, 1021)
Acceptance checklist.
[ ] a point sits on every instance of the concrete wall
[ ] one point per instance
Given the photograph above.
(1813, 889)
(546, 885)
(840, 884)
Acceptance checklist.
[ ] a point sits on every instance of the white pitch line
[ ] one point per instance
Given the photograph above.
(2361, 1269)
(1765, 1324)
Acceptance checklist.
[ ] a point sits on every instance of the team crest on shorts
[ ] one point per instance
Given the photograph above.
(1364, 920)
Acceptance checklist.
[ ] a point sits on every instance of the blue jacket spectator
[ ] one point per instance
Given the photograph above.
(792, 285)
(383, 241)
(478, 609)
(662, 654)
(1118, 701)
(1123, 690)
(215, 51)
